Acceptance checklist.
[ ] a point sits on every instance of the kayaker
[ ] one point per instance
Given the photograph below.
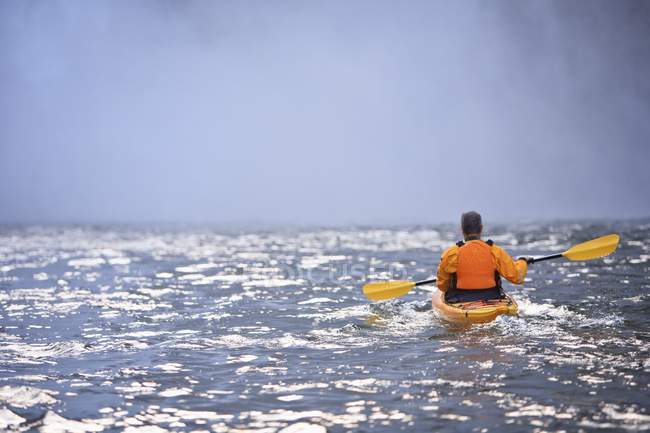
(472, 269)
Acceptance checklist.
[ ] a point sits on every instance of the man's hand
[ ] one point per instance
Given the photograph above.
(528, 260)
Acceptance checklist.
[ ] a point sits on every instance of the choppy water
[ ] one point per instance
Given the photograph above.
(143, 329)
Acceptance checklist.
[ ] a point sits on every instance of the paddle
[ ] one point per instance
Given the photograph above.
(380, 290)
(593, 249)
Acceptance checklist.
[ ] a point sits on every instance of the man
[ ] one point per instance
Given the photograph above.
(472, 269)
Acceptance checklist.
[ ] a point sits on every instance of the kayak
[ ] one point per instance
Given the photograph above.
(475, 311)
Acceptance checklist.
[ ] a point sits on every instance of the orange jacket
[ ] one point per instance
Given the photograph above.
(486, 259)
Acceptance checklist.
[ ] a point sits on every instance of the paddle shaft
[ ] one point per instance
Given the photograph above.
(541, 259)
(423, 282)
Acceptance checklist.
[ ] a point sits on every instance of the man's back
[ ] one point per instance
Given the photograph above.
(477, 265)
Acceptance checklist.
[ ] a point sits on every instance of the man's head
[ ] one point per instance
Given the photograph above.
(471, 224)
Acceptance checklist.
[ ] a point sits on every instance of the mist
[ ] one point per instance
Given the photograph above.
(323, 112)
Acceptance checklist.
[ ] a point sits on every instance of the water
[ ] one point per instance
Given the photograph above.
(153, 329)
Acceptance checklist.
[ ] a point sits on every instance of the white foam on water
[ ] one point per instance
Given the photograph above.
(289, 340)
(89, 262)
(313, 262)
(291, 397)
(316, 301)
(303, 427)
(197, 268)
(220, 278)
(191, 277)
(144, 334)
(561, 315)
(117, 261)
(266, 370)
(368, 386)
(170, 367)
(193, 415)
(26, 396)
(527, 308)
(273, 282)
(241, 359)
(604, 321)
(54, 423)
(158, 292)
(343, 337)
(175, 392)
(351, 312)
(44, 353)
(33, 377)
(145, 429)
(272, 388)
(137, 388)
(233, 341)
(617, 419)
(8, 419)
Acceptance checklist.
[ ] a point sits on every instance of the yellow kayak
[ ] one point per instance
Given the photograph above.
(475, 311)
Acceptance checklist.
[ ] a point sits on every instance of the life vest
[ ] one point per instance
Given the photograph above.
(476, 269)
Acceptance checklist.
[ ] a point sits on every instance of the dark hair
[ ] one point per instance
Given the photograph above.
(471, 223)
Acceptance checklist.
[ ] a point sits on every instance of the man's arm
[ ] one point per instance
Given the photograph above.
(511, 270)
(447, 266)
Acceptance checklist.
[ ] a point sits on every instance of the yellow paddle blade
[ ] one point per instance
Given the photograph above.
(593, 249)
(381, 290)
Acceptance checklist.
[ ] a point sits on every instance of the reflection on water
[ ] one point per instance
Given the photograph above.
(153, 329)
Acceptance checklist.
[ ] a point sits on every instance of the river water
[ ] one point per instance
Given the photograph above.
(151, 329)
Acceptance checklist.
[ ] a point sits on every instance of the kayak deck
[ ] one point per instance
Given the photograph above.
(474, 311)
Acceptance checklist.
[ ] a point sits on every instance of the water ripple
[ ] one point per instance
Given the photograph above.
(158, 329)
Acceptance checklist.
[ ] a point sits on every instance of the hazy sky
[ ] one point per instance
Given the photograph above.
(323, 111)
